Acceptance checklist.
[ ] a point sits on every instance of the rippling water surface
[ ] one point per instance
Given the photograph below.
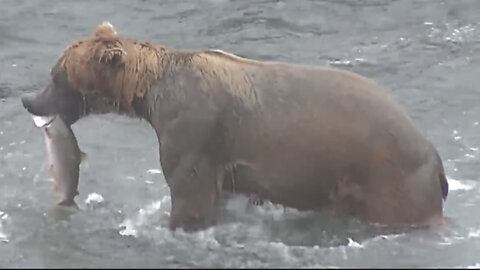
(425, 53)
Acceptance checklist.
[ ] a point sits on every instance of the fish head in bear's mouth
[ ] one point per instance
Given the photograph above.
(43, 121)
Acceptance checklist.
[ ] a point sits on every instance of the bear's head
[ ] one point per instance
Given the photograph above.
(100, 73)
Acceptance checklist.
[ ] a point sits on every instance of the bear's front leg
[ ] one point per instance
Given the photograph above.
(195, 193)
(191, 154)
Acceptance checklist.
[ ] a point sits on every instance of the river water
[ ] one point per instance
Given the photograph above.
(424, 52)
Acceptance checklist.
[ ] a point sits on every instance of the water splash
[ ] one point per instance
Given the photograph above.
(475, 266)
(130, 226)
(354, 244)
(94, 198)
(154, 171)
(3, 235)
(455, 185)
(474, 233)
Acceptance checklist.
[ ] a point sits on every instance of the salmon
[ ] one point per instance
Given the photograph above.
(64, 157)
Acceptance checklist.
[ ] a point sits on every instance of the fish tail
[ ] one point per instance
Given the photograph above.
(68, 203)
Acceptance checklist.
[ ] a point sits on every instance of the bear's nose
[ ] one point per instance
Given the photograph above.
(31, 103)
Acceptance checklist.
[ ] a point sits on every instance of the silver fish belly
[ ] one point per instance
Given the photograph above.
(64, 158)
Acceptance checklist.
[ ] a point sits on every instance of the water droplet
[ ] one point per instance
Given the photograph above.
(154, 171)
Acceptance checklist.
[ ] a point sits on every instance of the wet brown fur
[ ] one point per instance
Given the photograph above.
(121, 69)
(117, 68)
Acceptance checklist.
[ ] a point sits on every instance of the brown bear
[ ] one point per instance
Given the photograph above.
(305, 137)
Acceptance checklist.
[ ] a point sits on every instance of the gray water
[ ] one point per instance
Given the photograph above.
(425, 53)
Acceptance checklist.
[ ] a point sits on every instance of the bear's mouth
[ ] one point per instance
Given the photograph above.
(42, 121)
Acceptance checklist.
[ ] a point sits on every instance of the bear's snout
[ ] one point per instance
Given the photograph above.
(31, 102)
(27, 100)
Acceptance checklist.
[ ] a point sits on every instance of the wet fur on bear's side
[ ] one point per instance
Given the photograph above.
(305, 137)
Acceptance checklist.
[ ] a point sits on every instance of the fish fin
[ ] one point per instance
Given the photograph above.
(83, 156)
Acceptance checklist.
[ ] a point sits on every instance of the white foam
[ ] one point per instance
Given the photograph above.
(206, 238)
(360, 59)
(354, 244)
(474, 233)
(131, 224)
(150, 209)
(129, 229)
(94, 198)
(446, 242)
(475, 266)
(382, 237)
(454, 184)
(341, 62)
(3, 235)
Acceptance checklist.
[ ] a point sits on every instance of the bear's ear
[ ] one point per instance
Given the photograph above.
(105, 29)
